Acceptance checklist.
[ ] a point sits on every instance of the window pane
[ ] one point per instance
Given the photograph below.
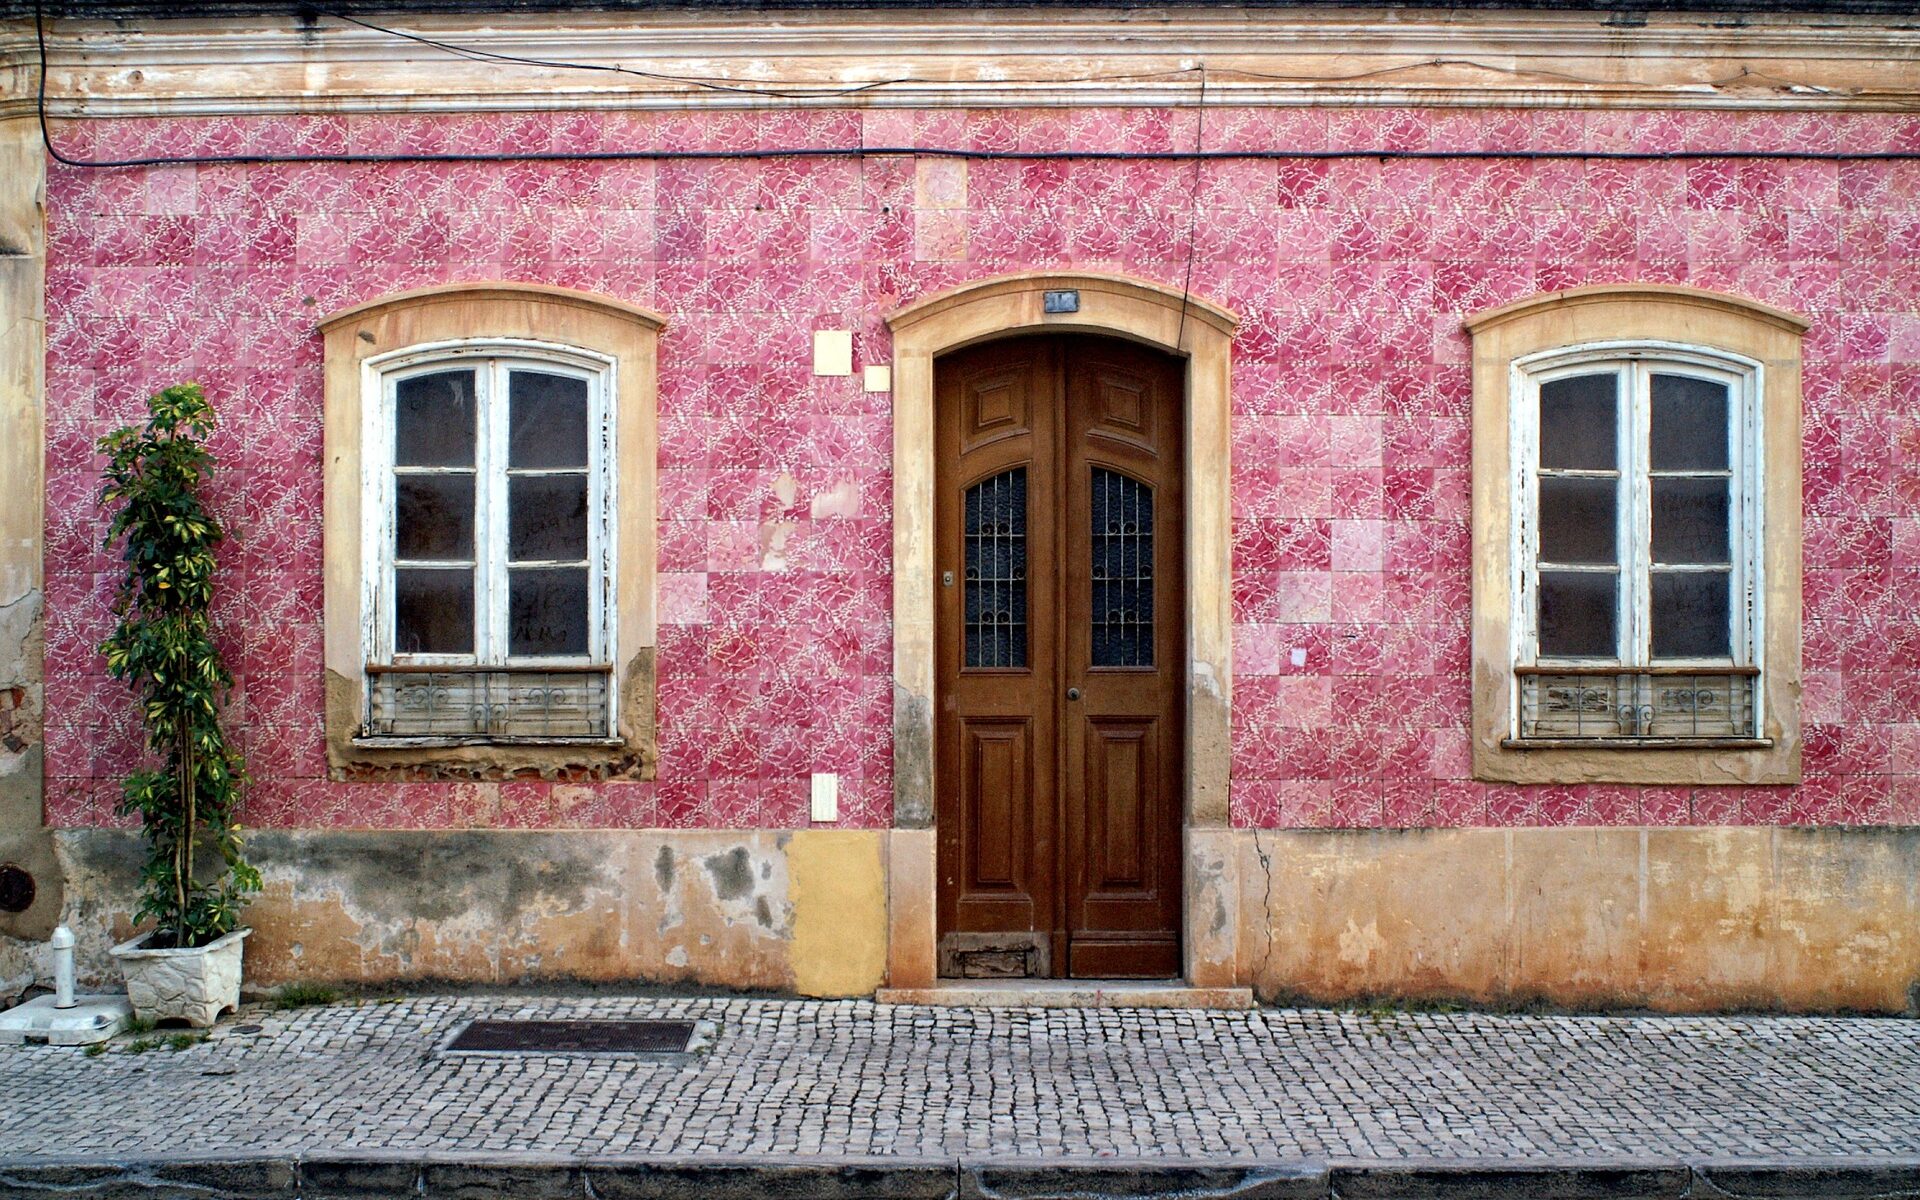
(1577, 612)
(1578, 423)
(1689, 430)
(1577, 520)
(995, 604)
(433, 420)
(1690, 614)
(547, 517)
(549, 420)
(1690, 520)
(547, 611)
(433, 610)
(434, 517)
(1122, 538)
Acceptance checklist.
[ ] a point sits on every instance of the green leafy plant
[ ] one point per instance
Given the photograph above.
(304, 995)
(195, 878)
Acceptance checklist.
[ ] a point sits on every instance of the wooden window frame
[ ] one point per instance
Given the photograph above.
(494, 326)
(1634, 363)
(1754, 348)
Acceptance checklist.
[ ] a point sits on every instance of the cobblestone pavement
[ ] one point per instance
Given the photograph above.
(854, 1079)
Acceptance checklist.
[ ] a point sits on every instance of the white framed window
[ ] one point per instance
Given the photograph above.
(1638, 545)
(489, 533)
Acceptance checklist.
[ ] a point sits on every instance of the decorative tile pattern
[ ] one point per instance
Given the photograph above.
(1351, 396)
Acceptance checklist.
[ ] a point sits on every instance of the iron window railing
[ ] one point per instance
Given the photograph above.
(1646, 704)
(494, 703)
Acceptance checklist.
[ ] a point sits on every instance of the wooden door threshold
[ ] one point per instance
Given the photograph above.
(1068, 993)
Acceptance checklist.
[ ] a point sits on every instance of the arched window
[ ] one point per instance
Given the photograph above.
(489, 534)
(1637, 539)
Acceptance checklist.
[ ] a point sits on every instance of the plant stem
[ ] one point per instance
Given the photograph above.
(187, 796)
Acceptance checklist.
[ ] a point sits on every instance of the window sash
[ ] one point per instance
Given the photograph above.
(492, 365)
(1633, 366)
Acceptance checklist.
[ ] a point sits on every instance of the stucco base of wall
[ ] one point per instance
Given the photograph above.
(781, 911)
(1668, 919)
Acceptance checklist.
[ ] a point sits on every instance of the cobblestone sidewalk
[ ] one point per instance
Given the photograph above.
(852, 1080)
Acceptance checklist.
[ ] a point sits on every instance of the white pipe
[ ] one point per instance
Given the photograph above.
(62, 944)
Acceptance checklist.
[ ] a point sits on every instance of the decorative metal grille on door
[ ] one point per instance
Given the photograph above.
(1122, 571)
(996, 582)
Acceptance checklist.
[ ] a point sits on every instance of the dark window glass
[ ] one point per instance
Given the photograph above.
(1691, 614)
(1577, 614)
(547, 611)
(433, 517)
(1122, 571)
(433, 610)
(433, 420)
(1578, 520)
(547, 424)
(1690, 520)
(1579, 423)
(547, 517)
(1688, 424)
(995, 593)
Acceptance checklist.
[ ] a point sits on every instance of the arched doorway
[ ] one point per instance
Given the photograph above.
(1196, 336)
(1061, 646)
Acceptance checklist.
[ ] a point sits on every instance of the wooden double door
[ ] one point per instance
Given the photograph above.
(1061, 645)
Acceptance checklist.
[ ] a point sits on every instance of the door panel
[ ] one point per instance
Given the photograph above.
(1124, 649)
(1061, 654)
(997, 719)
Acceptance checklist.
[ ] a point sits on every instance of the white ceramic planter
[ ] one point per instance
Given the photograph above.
(195, 985)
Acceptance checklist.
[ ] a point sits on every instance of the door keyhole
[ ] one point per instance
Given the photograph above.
(1073, 693)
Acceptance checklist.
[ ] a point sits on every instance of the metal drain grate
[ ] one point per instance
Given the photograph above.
(575, 1037)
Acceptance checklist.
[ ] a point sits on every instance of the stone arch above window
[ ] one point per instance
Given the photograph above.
(523, 683)
(1636, 588)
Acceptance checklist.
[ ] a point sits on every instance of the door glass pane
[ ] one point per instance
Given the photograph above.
(433, 420)
(1689, 424)
(433, 517)
(547, 421)
(1579, 423)
(547, 517)
(995, 593)
(1691, 614)
(1577, 613)
(1690, 520)
(1577, 519)
(433, 610)
(1122, 571)
(547, 611)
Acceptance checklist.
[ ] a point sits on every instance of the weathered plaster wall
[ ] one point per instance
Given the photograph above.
(1670, 919)
(761, 910)
(1351, 387)
(24, 844)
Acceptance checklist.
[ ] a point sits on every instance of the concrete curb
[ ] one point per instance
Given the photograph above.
(380, 1175)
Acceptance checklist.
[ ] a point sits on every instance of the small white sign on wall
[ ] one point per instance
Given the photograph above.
(833, 352)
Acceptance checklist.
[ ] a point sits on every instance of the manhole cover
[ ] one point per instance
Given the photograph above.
(575, 1037)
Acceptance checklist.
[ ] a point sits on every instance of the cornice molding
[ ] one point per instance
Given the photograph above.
(1000, 58)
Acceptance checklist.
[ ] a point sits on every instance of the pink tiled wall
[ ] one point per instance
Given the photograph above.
(1351, 391)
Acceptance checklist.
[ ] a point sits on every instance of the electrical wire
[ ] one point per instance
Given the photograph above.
(1198, 154)
(1193, 205)
(478, 55)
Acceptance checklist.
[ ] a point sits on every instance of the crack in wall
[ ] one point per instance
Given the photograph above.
(1266, 914)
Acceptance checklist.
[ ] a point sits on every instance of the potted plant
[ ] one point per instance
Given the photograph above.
(195, 880)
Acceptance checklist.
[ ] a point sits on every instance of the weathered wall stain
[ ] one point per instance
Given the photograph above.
(732, 873)
(1667, 919)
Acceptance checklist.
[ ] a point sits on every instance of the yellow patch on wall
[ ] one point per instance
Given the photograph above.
(837, 885)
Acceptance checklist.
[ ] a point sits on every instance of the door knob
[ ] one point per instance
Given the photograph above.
(1073, 693)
